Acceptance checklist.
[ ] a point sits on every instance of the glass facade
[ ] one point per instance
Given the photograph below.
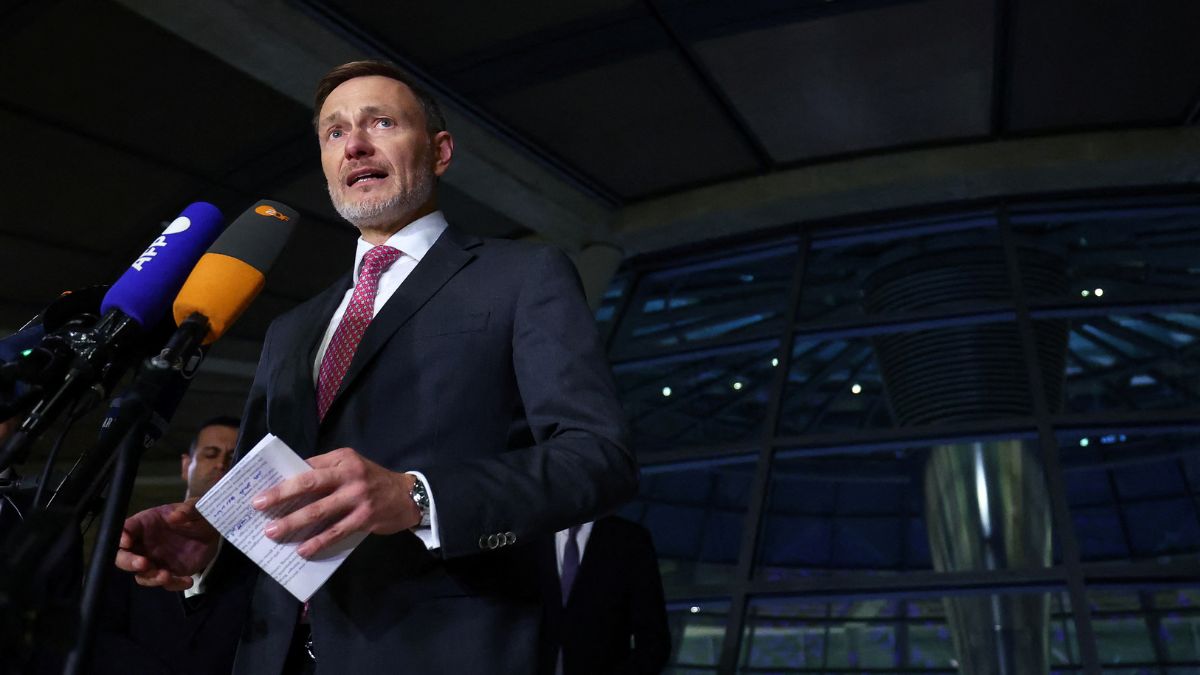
(867, 443)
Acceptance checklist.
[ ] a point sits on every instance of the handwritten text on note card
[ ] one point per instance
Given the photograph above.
(227, 507)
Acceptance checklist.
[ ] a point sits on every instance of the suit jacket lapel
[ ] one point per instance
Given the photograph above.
(447, 256)
(296, 375)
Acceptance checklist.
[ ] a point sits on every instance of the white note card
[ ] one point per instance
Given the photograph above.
(227, 506)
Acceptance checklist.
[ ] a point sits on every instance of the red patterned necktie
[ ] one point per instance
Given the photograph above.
(354, 323)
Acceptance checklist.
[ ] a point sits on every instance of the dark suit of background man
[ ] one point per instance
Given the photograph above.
(149, 632)
(614, 619)
(481, 372)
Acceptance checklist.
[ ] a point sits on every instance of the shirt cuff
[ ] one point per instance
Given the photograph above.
(198, 579)
(429, 535)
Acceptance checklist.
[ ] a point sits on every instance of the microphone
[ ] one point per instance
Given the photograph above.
(233, 271)
(224, 282)
(91, 357)
(144, 292)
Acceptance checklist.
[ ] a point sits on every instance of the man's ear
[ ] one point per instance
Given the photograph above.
(185, 462)
(443, 152)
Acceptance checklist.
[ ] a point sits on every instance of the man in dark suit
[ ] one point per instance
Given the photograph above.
(614, 617)
(147, 631)
(453, 400)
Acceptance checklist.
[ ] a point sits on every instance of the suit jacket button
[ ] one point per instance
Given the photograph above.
(483, 541)
(510, 538)
(493, 541)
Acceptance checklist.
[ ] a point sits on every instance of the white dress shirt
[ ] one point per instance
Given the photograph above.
(560, 542)
(413, 241)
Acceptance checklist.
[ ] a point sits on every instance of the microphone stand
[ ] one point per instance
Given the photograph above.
(108, 537)
(123, 438)
(180, 352)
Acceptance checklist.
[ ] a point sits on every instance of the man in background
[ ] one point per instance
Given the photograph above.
(147, 631)
(604, 607)
(210, 455)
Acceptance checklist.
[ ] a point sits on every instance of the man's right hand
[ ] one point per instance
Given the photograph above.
(165, 545)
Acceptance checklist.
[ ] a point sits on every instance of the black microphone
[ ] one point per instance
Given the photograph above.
(86, 356)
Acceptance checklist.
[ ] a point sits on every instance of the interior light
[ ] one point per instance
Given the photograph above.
(1084, 293)
(666, 391)
(1099, 292)
(1083, 442)
(737, 386)
(856, 389)
(26, 352)
(774, 363)
(695, 610)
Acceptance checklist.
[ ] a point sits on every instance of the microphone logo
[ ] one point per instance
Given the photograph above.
(180, 224)
(270, 212)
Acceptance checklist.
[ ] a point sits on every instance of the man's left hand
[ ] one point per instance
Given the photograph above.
(353, 494)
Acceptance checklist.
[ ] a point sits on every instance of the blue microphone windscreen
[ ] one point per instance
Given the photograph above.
(148, 288)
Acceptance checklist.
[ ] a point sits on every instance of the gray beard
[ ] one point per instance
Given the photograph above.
(374, 213)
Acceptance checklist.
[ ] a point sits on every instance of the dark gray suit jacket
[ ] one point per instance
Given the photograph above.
(484, 372)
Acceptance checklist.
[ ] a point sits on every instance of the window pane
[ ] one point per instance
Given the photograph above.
(833, 385)
(1135, 628)
(694, 513)
(1132, 496)
(699, 398)
(743, 294)
(1129, 362)
(1122, 632)
(698, 635)
(1131, 252)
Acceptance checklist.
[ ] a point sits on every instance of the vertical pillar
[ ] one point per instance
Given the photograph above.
(597, 262)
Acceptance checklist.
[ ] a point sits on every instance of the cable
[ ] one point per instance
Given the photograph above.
(44, 478)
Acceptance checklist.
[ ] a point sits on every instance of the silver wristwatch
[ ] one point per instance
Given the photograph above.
(421, 497)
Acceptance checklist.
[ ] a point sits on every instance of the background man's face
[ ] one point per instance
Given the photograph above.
(213, 455)
(379, 159)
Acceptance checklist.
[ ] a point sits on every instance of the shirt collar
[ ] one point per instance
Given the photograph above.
(414, 239)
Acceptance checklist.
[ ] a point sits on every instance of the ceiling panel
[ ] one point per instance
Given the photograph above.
(639, 126)
(33, 274)
(891, 76)
(139, 88)
(79, 194)
(434, 33)
(1085, 63)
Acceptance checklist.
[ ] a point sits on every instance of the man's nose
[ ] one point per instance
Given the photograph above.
(358, 145)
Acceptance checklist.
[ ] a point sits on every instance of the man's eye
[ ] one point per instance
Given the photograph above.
(386, 123)
(336, 133)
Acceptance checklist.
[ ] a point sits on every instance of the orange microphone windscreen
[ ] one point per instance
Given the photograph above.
(220, 287)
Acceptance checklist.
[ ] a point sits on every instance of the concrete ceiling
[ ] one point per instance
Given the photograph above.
(645, 124)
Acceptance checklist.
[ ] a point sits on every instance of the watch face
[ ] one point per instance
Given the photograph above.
(419, 495)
